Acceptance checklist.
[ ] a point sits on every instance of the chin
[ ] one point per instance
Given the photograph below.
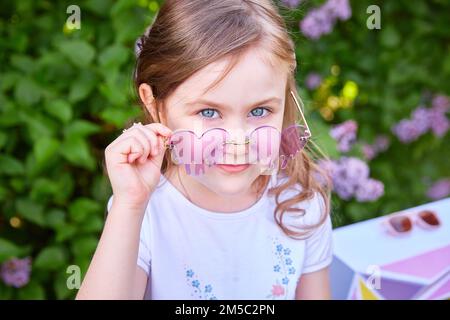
(229, 184)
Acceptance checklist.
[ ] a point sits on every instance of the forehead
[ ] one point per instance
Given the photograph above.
(252, 78)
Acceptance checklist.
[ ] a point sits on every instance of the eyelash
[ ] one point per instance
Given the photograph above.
(264, 108)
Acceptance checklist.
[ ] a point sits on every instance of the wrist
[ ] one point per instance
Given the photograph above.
(129, 206)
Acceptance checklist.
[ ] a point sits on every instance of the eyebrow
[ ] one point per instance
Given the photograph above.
(224, 106)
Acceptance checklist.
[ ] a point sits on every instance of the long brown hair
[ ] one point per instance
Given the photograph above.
(187, 35)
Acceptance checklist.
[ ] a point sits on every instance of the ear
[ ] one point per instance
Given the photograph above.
(146, 95)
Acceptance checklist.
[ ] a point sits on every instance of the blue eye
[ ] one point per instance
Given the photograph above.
(208, 113)
(259, 112)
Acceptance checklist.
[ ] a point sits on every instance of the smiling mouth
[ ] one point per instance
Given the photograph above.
(233, 168)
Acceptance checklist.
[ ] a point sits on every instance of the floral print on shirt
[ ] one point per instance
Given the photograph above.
(283, 269)
(198, 290)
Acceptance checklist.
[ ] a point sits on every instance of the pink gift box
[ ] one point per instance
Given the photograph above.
(371, 264)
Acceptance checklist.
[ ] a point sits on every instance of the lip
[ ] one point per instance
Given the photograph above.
(233, 168)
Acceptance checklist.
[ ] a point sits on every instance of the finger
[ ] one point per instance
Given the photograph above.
(141, 136)
(147, 141)
(126, 151)
(154, 141)
(159, 128)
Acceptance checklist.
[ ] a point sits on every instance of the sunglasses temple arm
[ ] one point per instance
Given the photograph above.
(301, 114)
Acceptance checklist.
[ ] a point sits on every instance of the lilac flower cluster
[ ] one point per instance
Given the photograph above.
(320, 21)
(350, 177)
(381, 144)
(424, 119)
(291, 3)
(16, 272)
(345, 135)
(440, 189)
(313, 80)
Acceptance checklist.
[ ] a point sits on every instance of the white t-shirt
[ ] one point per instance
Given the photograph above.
(192, 253)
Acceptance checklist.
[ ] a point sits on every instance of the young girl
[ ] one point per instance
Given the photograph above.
(231, 231)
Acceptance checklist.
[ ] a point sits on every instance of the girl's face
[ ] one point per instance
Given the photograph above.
(251, 95)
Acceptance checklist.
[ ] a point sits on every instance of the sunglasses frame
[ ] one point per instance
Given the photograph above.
(414, 218)
(308, 135)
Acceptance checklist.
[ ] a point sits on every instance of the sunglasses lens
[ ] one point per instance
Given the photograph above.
(293, 140)
(264, 144)
(186, 148)
(401, 223)
(429, 217)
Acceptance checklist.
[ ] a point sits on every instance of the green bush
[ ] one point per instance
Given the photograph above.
(65, 95)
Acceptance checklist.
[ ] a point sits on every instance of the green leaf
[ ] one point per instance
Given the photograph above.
(83, 208)
(55, 218)
(113, 56)
(30, 210)
(113, 93)
(6, 292)
(60, 286)
(80, 129)
(27, 92)
(51, 258)
(389, 37)
(43, 189)
(119, 116)
(60, 109)
(32, 291)
(84, 247)
(65, 232)
(8, 80)
(45, 149)
(23, 63)
(79, 52)
(93, 224)
(10, 166)
(9, 250)
(77, 152)
(82, 86)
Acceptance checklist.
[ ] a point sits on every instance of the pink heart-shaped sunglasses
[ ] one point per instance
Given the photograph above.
(262, 145)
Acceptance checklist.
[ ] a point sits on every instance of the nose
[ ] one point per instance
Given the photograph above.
(236, 146)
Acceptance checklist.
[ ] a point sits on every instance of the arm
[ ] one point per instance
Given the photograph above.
(314, 286)
(113, 272)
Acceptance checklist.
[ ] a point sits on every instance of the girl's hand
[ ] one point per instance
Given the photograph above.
(133, 162)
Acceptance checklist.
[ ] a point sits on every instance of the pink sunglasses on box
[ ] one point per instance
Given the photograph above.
(263, 145)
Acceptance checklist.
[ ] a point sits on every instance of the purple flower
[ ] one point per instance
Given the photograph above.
(339, 9)
(370, 190)
(440, 189)
(328, 166)
(347, 175)
(406, 131)
(439, 122)
(321, 20)
(382, 143)
(350, 177)
(345, 134)
(420, 117)
(424, 119)
(352, 169)
(441, 103)
(16, 272)
(369, 151)
(316, 23)
(291, 3)
(313, 80)
(344, 188)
